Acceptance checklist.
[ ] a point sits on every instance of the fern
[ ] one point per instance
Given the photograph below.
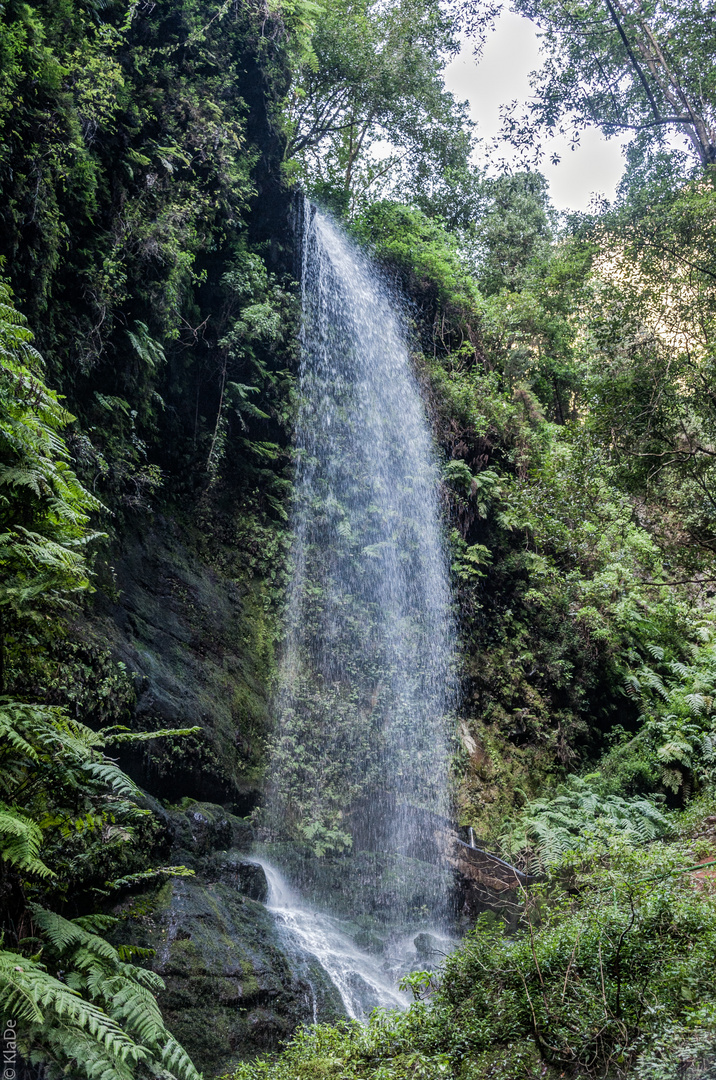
(547, 829)
(20, 842)
(696, 703)
(679, 711)
(110, 1020)
(120, 734)
(84, 1011)
(45, 508)
(31, 995)
(148, 875)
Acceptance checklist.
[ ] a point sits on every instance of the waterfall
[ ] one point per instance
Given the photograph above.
(359, 978)
(359, 765)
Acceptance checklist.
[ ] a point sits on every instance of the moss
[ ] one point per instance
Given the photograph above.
(495, 776)
(231, 990)
(147, 906)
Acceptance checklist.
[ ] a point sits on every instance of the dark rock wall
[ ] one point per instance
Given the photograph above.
(231, 990)
(198, 646)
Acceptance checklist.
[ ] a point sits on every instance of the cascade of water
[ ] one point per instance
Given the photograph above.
(359, 763)
(362, 984)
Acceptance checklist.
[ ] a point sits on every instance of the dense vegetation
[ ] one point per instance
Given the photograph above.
(148, 154)
(610, 974)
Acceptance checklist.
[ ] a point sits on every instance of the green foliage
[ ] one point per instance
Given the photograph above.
(431, 270)
(45, 509)
(20, 836)
(67, 814)
(125, 147)
(59, 790)
(650, 362)
(374, 76)
(600, 980)
(516, 228)
(578, 817)
(679, 712)
(101, 1017)
(428, 257)
(67, 811)
(642, 68)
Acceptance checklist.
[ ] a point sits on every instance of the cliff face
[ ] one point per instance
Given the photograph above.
(145, 232)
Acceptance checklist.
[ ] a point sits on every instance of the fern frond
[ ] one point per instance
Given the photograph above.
(112, 777)
(148, 875)
(696, 703)
(63, 933)
(31, 993)
(20, 842)
(651, 679)
(127, 736)
(176, 1058)
(547, 829)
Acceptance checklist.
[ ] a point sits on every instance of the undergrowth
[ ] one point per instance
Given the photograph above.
(609, 974)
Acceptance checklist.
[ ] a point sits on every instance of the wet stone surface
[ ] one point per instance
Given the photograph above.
(232, 990)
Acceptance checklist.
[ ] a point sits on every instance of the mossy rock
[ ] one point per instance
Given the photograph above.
(232, 868)
(428, 947)
(231, 990)
(201, 828)
(198, 644)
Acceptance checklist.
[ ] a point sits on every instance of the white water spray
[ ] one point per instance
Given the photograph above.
(362, 984)
(361, 756)
(359, 762)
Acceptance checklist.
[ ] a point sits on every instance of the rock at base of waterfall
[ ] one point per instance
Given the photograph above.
(231, 991)
(429, 947)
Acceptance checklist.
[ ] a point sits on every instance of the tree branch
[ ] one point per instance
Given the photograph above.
(635, 63)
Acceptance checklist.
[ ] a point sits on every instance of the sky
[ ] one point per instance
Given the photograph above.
(501, 75)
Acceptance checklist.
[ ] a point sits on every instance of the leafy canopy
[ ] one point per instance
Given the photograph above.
(369, 112)
(638, 66)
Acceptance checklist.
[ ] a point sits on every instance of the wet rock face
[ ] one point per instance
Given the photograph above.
(231, 990)
(231, 868)
(429, 948)
(200, 829)
(194, 642)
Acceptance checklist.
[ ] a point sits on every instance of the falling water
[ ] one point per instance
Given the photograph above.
(359, 763)
(359, 978)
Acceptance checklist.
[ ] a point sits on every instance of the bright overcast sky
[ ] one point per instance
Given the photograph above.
(500, 76)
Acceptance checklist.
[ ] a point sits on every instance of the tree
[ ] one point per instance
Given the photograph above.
(650, 358)
(371, 108)
(517, 226)
(638, 66)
